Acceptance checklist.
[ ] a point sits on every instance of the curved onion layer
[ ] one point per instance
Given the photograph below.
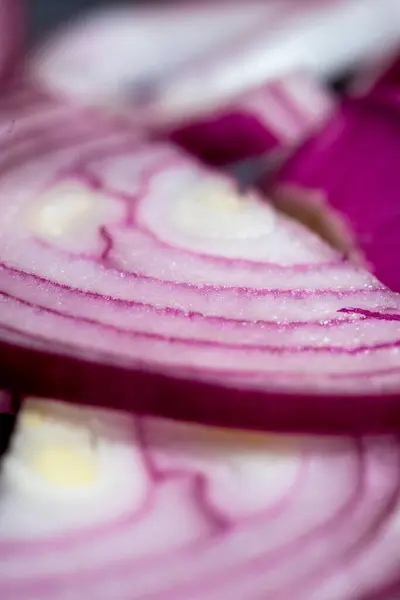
(129, 266)
(126, 55)
(349, 172)
(103, 505)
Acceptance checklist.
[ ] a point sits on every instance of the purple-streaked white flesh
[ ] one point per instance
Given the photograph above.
(132, 274)
(102, 505)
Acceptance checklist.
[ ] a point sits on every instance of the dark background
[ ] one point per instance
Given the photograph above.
(45, 14)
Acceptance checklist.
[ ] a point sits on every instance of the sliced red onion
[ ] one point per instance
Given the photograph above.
(349, 173)
(129, 266)
(104, 505)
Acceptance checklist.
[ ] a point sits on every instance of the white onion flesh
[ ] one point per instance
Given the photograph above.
(159, 510)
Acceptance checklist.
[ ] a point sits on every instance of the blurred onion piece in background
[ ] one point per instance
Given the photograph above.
(174, 61)
(205, 68)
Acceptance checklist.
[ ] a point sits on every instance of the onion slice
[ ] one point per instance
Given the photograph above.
(130, 267)
(104, 505)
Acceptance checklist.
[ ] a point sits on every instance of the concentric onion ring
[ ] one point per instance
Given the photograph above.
(134, 258)
(203, 513)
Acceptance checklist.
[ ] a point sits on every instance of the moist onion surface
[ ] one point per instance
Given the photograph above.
(106, 505)
(128, 254)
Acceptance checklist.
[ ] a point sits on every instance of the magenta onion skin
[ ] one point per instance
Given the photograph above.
(352, 167)
(87, 382)
(236, 515)
(79, 319)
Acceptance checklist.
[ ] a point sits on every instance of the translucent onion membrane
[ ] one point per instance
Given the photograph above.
(11, 30)
(130, 267)
(210, 89)
(104, 505)
(349, 172)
